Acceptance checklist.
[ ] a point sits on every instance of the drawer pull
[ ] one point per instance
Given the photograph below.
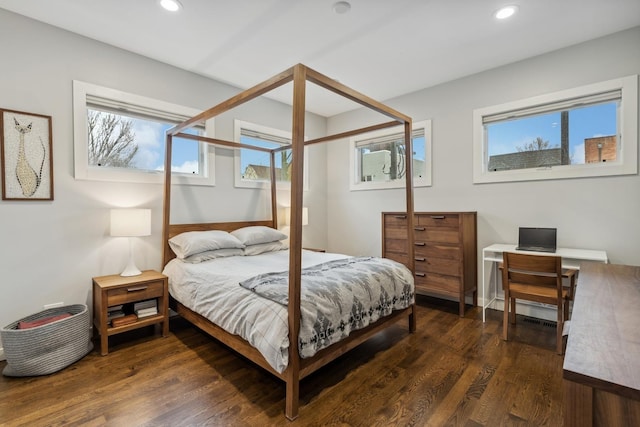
(419, 228)
(420, 259)
(137, 288)
(437, 216)
(419, 243)
(400, 216)
(420, 274)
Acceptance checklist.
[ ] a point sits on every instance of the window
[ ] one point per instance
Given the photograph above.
(121, 137)
(378, 159)
(581, 132)
(253, 168)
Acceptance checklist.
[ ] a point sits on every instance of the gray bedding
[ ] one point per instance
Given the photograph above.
(339, 296)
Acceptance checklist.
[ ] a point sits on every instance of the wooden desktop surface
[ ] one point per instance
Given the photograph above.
(603, 348)
(565, 253)
(602, 360)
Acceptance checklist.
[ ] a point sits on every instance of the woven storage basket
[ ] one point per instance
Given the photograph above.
(47, 348)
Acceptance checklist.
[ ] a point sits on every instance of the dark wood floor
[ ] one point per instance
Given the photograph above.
(452, 371)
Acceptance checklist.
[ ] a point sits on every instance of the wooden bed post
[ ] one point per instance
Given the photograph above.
(409, 196)
(274, 197)
(295, 240)
(297, 368)
(166, 209)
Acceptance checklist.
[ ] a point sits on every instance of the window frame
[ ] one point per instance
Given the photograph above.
(83, 91)
(355, 184)
(627, 159)
(239, 182)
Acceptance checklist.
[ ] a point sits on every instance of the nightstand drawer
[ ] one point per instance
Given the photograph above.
(135, 292)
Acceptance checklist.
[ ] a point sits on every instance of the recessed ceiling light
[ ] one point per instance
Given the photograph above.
(171, 5)
(506, 12)
(341, 7)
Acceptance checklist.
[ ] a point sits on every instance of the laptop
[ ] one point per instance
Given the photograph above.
(537, 239)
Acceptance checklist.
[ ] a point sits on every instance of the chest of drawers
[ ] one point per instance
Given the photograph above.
(445, 252)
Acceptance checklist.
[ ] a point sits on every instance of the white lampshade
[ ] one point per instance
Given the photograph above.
(130, 222)
(305, 216)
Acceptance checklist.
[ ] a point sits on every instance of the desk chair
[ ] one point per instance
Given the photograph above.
(536, 278)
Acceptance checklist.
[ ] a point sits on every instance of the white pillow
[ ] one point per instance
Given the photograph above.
(261, 248)
(256, 234)
(218, 253)
(195, 242)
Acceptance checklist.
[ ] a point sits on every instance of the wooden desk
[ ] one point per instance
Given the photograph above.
(601, 371)
(492, 256)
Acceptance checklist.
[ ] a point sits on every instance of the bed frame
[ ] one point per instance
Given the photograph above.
(297, 368)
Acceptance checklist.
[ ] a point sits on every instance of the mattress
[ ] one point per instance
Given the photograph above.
(212, 289)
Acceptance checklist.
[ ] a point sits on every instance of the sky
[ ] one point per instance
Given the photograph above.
(150, 137)
(151, 141)
(586, 122)
(261, 158)
(504, 137)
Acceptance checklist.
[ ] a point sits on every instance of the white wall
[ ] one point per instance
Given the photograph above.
(594, 213)
(51, 250)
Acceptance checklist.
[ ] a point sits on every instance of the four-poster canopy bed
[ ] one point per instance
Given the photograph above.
(297, 367)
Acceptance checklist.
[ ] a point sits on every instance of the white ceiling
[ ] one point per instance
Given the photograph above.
(382, 48)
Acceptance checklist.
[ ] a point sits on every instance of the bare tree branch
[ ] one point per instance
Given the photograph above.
(111, 140)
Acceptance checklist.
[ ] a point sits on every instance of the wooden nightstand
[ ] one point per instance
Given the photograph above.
(114, 290)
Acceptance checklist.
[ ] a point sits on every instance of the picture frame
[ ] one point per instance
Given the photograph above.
(26, 156)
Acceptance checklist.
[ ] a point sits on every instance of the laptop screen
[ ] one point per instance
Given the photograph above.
(537, 238)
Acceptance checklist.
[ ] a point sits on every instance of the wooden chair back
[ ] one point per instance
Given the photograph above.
(534, 278)
(536, 270)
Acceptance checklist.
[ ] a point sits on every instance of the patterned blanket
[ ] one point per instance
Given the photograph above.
(339, 296)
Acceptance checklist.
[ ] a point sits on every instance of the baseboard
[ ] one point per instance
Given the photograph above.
(526, 308)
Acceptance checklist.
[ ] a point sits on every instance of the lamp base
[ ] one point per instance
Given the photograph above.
(131, 269)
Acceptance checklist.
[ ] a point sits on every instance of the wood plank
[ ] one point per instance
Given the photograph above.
(239, 99)
(295, 241)
(604, 342)
(600, 371)
(351, 133)
(299, 74)
(394, 378)
(578, 401)
(342, 90)
(225, 143)
(233, 341)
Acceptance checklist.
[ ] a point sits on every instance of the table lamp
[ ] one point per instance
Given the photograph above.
(305, 216)
(130, 223)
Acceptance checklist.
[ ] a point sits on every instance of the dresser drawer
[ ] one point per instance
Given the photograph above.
(437, 283)
(450, 267)
(135, 292)
(402, 258)
(444, 251)
(400, 233)
(395, 220)
(439, 235)
(448, 220)
(431, 250)
(396, 245)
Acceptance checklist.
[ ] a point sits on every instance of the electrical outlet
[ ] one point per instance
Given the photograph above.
(54, 305)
